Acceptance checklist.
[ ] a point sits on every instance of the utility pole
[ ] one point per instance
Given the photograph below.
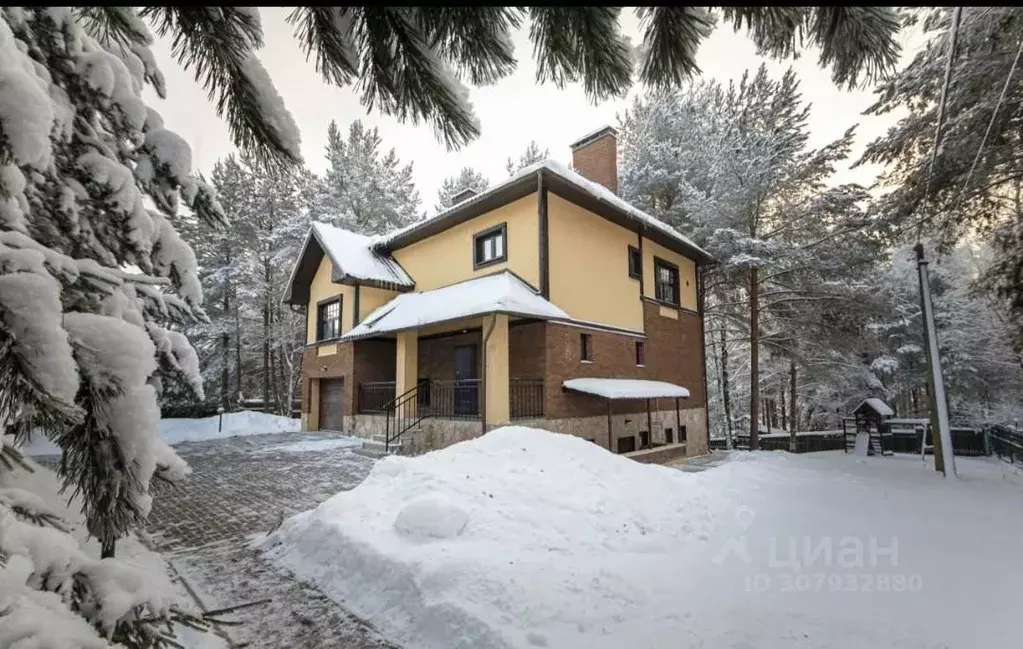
(944, 454)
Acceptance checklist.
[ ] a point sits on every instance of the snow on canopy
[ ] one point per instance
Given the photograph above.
(878, 406)
(596, 190)
(499, 293)
(626, 388)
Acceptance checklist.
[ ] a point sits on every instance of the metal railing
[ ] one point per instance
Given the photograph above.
(458, 399)
(375, 395)
(402, 414)
(526, 398)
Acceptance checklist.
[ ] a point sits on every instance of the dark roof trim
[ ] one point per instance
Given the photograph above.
(526, 185)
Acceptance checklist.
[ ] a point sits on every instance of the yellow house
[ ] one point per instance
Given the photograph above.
(545, 300)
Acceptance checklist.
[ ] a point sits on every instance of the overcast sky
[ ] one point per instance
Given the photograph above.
(511, 112)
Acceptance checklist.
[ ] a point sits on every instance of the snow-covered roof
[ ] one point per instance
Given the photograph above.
(626, 388)
(499, 293)
(595, 190)
(878, 406)
(353, 256)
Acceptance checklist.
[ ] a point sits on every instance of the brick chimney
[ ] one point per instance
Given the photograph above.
(463, 196)
(595, 157)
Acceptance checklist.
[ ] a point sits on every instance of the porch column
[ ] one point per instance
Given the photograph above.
(406, 366)
(496, 374)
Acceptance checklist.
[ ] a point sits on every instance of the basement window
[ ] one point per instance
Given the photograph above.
(586, 347)
(490, 246)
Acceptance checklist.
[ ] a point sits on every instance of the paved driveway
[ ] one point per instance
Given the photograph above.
(239, 488)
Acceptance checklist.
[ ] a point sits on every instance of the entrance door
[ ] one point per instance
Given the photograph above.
(466, 391)
(332, 399)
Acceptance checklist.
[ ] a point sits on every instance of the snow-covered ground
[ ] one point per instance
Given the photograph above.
(523, 538)
(175, 431)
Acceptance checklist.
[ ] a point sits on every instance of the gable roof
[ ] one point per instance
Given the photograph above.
(562, 181)
(502, 292)
(353, 261)
(877, 405)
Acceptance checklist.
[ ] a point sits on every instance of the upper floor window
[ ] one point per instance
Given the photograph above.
(635, 263)
(586, 347)
(328, 319)
(666, 281)
(490, 246)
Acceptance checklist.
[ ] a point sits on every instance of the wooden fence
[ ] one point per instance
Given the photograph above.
(968, 442)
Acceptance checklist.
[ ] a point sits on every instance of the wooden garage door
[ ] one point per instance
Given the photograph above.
(332, 398)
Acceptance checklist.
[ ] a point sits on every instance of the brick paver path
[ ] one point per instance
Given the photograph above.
(239, 488)
(243, 485)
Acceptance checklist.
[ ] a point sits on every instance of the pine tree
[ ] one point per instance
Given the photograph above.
(94, 288)
(975, 186)
(365, 189)
(530, 156)
(467, 178)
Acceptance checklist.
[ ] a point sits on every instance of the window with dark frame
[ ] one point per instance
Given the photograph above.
(635, 263)
(490, 246)
(640, 353)
(586, 347)
(666, 281)
(328, 319)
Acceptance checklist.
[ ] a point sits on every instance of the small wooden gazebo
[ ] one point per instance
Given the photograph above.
(870, 418)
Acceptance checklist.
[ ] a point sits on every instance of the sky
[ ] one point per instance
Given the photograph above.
(512, 112)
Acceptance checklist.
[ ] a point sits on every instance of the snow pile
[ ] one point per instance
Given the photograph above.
(499, 293)
(175, 431)
(524, 538)
(245, 422)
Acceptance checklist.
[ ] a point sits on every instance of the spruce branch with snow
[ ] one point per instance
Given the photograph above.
(530, 156)
(411, 62)
(95, 283)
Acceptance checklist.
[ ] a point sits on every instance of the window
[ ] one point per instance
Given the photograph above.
(586, 347)
(489, 246)
(635, 263)
(640, 353)
(665, 281)
(328, 319)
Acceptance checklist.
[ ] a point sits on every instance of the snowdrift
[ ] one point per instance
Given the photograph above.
(524, 538)
(175, 431)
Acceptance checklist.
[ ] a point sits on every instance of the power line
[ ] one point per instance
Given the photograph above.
(957, 14)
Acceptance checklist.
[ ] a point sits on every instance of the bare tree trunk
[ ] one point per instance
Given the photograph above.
(266, 337)
(781, 401)
(726, 395)
(237, 353)
(793, 412)
(754, 359)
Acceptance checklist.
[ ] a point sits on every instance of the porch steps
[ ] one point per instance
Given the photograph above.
(376, 445)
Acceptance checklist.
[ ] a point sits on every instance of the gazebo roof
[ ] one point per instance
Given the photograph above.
(876, 405)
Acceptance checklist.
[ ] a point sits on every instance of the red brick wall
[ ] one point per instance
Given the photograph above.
(527, 353)
(437, 355)
(673, 354)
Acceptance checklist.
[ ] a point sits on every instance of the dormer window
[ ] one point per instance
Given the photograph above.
(490, 246)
